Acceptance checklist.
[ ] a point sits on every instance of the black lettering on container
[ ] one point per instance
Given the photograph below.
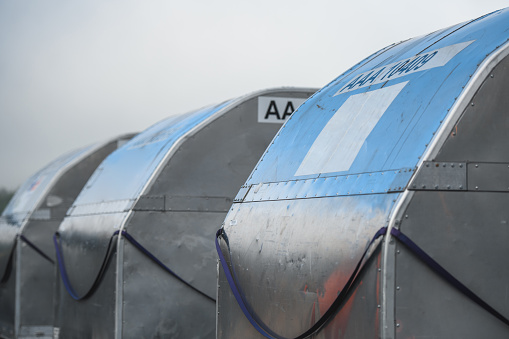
(272, 110)
(288, 110)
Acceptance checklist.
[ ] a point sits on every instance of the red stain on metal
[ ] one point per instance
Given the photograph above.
(325, 300)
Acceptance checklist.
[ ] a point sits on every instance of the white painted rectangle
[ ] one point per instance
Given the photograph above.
(337, 145)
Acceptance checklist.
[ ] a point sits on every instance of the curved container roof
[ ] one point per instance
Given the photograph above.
(168, 188)
(351, 160)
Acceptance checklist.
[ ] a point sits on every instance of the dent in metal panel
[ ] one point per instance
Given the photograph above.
(338, 144)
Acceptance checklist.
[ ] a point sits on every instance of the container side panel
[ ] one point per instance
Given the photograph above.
(37, 275)
(481, 133)
(157, 305)
(80, 319)
(83, 254)
(7, 298)
(292, 259)
(467, 233)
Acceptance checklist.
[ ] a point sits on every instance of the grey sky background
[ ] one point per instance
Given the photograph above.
(76, 72)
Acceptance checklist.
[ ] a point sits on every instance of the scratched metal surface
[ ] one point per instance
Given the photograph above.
(381, 116)
(291, 264)
(170, 188)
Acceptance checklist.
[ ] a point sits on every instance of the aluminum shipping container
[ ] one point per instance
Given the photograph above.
(137, 245)
(380, 209)
(27, 271)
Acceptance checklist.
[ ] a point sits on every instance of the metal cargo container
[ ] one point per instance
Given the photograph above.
(27, 274)
(381, 208)
(164, 192)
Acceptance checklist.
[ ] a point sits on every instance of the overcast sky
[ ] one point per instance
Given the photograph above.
(76, 72)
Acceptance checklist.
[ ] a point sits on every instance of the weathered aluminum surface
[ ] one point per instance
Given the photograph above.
(170, 188)
(36, 212)
(300, 267)
(390, 112)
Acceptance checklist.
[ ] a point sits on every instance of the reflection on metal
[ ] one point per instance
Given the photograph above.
(166, 190)
(301, 222)
(26, 227)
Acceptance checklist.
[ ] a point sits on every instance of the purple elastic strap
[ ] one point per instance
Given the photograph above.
(328, 315)
(35, 248)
